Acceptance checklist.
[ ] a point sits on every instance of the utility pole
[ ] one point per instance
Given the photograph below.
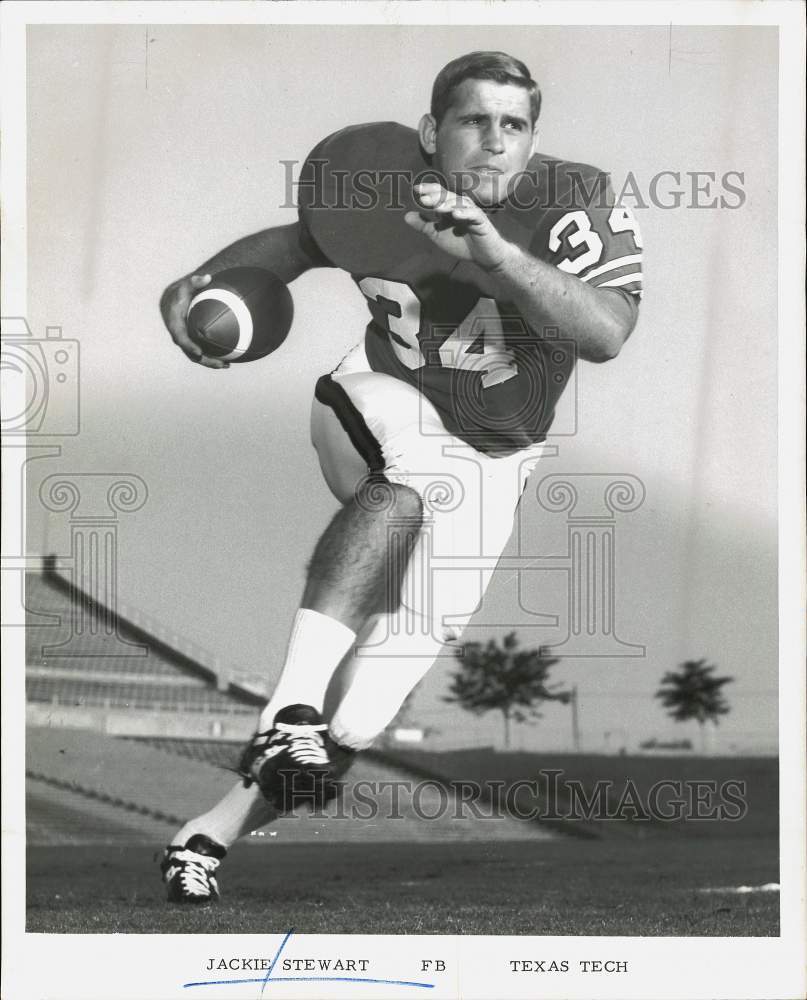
(575, 721)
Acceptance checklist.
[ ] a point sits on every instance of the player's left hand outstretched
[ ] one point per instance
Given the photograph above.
(457, 225)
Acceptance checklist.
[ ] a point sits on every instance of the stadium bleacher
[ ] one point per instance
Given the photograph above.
(131, 694)
(80, 655)
(128, 733)
(219, 753)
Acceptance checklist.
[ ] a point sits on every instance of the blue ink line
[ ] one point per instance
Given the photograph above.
(223, 982)
(304, 979)
(310, 979)
(277, 956)
(351, 979)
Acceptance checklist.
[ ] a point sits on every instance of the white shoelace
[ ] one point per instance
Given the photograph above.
(308, 748)
(196, 874)
(305, 744)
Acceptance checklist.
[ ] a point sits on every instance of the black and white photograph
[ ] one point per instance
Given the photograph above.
(403, 523)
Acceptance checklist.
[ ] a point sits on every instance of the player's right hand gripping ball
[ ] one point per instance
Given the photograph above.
(244, 314)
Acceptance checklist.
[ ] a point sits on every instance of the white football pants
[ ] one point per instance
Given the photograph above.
(367, 421)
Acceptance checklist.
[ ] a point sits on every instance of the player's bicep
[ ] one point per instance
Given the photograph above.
(309, 252)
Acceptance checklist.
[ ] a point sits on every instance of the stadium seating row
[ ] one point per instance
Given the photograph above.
(141, 696)
(219, 753)
(145, 666)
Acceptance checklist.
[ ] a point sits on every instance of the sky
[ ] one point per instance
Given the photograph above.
(150, 148)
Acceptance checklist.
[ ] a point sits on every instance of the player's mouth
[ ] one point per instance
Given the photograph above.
(487, 169)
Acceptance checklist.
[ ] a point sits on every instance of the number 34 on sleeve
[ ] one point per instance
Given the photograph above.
(575, 229)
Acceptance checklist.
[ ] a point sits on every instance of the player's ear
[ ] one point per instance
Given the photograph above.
(427, 131)
(536, 138)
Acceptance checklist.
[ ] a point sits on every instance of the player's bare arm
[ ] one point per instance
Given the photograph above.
(280, 250)
(598, 320)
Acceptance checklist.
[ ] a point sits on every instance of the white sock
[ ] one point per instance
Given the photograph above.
(383, 670)
(241, 811)
(316, 647)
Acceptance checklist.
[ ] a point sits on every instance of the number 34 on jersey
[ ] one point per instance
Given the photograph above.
(478, 342)
(481, 332)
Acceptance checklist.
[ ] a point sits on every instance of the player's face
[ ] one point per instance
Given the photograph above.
(484, 140)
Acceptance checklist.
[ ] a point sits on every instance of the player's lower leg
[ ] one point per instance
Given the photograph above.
(354, 573)
(377, 678)
(190, 863)
(358, 563)
(237, 814)
(384, 668)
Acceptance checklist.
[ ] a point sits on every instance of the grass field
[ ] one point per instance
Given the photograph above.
(559, 887)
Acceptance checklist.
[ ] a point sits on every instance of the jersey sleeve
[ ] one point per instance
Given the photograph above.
(588, 235)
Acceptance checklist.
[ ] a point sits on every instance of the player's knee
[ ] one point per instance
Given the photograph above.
(376, 494)
(408, 503)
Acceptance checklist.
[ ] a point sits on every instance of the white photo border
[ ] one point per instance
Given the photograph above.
(150, 966)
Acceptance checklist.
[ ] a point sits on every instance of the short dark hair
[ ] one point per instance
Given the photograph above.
(497, 66)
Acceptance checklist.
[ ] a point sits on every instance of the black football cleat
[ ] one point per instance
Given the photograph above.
(293, 762)
(189, 872)
(342, 759)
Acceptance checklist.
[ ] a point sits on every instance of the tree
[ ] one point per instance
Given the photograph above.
(503, 678)
(692, 692)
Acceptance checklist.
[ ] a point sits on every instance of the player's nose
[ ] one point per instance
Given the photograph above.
(493, 139)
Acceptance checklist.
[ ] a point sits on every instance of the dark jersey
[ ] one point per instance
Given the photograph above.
(436, 321)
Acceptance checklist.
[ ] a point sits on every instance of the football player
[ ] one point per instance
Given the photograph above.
(487, 269)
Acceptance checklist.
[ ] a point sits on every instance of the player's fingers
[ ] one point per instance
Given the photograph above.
(192, 351)
(470, 217)
(430, 195)
(428, 187)
(416, 221)
(175, 322)
(173, 308)
(214, 363)
(434, 228)
(439, 199)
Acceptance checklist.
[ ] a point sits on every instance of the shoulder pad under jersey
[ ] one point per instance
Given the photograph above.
(548, 185)
(354, 190)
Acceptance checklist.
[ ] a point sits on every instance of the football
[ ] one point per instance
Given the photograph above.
(244, 314)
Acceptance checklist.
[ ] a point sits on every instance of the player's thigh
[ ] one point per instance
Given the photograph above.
(341, 460)
(365, 422)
